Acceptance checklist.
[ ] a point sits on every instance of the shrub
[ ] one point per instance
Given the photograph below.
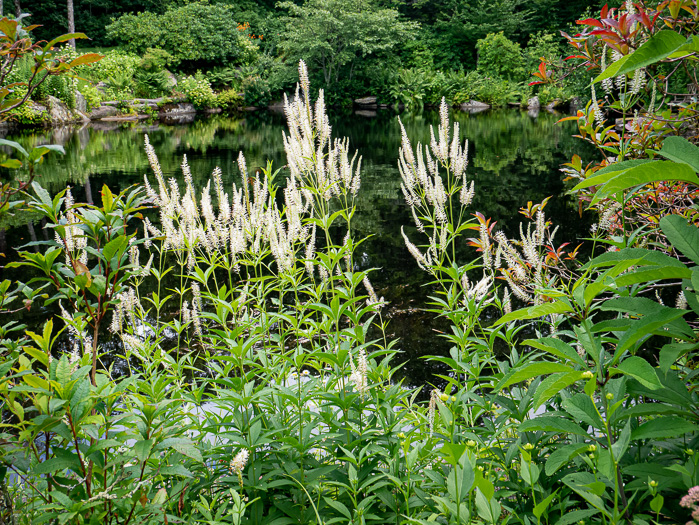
(198, 91)
(195, 35)
(229, 100)
(257, 91)
(115, 62)
(499, 56)
(93, 96)
(61, 87)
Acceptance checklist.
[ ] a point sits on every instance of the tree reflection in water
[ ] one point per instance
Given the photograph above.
(514, 158)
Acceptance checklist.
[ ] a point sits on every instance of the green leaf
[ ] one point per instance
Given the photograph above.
(645, 327)
(533, 370)
(563, 455)
(575, 516)
(609, 172)
(183, 446)
(656, 171)
(12, 164)
(143, 449)
(683, 236)
(176, 470)
(63, 371)
(553, 384)
(87, 58)
(658, 47)
(15, 145)
(55, 465)
(664, 427)
(63, 38)
(556, 307)
(556, 347)
(543, 505)
(552, 424)
(115, 246)
(681, 150)
(640, 370)
(581, 407)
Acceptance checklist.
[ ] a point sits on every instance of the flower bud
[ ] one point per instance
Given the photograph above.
(592, 448)
(401, 435)
(588, 375)
(528, 446)
(471, 443)
(609, 396)
(653, 483)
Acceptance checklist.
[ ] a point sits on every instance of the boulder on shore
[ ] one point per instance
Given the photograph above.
(103, 112)
(366, 102)
(533, 103)
(474, 106)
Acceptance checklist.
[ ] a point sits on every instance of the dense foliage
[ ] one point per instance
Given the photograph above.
(270, 395)
(354, 48)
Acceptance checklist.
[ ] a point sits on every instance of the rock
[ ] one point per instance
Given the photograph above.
(172, 79)
(180, 108)
(59, 113)
(366, 113)
(213, 110)
(103, 112)
(80, 102)
(125, 118)
(110, 103)
(533, 103)
(554, 106)
(474, 106)
(573, 104)
(366, 101)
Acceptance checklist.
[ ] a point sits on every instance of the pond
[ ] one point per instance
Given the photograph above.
(514, 157)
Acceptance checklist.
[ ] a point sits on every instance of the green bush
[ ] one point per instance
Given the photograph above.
(115, 62)
(196, 35)
(229, 100)
(93, 97)
(257, 91)
(61, 87)
(499, 56)
(198, 91)
(26, 114)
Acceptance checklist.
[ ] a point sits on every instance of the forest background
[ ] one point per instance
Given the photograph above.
(403, 52)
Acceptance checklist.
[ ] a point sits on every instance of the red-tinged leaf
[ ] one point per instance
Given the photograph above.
(32, 27)
(87, 58)
(604, 11)
(542, 70)
(575, 56)
(536, 82)
(63, 38)
(589, 22)
(8, 28)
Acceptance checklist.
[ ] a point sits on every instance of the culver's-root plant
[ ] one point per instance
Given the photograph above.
(253, 382)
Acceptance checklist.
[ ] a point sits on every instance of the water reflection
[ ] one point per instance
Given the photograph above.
(514, 158)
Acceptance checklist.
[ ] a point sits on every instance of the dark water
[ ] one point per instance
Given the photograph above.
(514, 158)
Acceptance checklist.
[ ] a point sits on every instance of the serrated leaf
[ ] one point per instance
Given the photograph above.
(532, 370)
(683, 236)
(553, 384)
(658, 47)
(143, 449)
(63, 371)
(552, 424)
(647, 173)
(563, 455)
(680, 149)
(556, 307)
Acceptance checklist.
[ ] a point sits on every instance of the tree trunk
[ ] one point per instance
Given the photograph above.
(71, 22)
(1, 8)
(18, 8)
